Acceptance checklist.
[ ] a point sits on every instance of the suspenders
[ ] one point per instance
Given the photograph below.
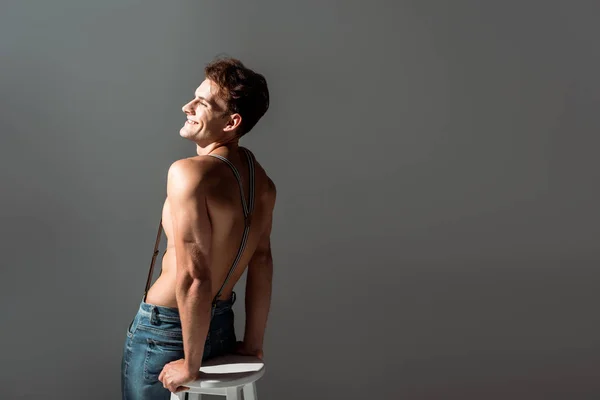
(248, 208)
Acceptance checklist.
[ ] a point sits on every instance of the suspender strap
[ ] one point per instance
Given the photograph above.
(248, 208)
(156, 251)
(238, 177)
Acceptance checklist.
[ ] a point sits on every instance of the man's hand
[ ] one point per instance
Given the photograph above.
(175, 375)
(244, 349)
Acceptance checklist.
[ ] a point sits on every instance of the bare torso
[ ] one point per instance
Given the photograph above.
(227, 222)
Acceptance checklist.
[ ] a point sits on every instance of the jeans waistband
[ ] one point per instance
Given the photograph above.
(172, 314)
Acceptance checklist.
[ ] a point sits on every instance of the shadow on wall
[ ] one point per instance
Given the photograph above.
(568, 383)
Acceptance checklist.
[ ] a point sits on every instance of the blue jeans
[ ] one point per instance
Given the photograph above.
(154, 339)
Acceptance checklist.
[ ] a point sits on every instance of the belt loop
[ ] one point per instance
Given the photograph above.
(153, 319)
(233, 297)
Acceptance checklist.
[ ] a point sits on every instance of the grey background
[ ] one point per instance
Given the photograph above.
(436, 232)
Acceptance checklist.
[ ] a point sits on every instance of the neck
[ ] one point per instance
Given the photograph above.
(210, 148)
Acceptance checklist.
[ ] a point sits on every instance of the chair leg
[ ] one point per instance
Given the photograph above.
(234, 393)
(250, 392)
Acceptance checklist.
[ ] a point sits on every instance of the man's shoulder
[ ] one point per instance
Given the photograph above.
(269, 193)
(193, 165)
(193, 171)
(269, 190)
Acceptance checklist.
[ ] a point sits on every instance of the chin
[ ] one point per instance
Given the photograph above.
(185, 133)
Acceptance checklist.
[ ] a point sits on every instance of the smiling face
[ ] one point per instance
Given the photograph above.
(208, 120)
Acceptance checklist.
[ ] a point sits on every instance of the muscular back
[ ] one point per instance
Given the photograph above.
(224, 226)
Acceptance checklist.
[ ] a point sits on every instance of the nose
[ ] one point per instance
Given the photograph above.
(187, 108)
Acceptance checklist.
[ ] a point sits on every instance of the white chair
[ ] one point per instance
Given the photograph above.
(226, 376)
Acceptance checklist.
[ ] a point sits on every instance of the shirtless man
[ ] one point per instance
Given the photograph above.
(217, 219)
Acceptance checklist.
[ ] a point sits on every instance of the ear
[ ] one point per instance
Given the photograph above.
(233, 123)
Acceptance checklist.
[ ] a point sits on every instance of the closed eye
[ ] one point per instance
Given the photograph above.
(202, 101)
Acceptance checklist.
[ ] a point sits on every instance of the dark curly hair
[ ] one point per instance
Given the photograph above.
(244, 91)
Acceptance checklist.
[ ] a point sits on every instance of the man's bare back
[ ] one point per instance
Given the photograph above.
(226, 223)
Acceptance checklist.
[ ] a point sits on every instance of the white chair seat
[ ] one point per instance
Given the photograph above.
(230, 370)
(226, 375)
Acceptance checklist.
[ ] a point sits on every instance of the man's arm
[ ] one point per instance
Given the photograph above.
(186, 191)
(258, 286)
